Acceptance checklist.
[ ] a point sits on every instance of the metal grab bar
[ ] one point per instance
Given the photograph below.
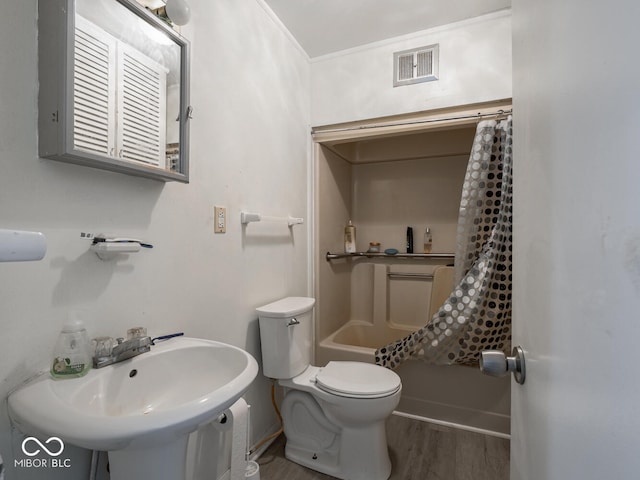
(444, 256)
(417, 276)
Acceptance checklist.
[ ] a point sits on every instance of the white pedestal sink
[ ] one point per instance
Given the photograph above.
(141, 410)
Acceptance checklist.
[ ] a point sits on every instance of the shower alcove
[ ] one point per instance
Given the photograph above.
(386, 175)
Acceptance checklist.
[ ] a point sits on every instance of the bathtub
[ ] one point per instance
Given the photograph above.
(362, 337)
(456, 396)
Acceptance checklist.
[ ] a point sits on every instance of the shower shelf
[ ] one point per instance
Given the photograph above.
(334, 256)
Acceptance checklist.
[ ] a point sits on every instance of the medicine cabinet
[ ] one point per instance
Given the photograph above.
(114, 88)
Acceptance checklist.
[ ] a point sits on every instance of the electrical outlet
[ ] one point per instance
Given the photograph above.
(219, 219)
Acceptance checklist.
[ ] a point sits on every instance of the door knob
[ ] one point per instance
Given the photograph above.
(497, 364)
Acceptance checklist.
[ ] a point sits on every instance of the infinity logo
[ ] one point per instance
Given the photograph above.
(42, 446)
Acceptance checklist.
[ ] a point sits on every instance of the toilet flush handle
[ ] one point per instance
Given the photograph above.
(293, 321)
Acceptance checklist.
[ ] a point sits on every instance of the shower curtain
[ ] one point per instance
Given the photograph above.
(477, 314)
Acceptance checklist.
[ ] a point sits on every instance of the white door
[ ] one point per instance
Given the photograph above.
(577, 239)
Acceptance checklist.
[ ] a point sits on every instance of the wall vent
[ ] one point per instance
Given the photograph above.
(415, 65)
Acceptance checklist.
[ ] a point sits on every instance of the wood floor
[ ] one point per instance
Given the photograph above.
(419, 451)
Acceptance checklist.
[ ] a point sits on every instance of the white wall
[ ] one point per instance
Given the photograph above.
(357, 84)
(249, 150)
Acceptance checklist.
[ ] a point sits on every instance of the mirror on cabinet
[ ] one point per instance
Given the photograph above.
(114, 88)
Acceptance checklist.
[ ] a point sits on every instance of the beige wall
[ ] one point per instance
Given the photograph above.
(333, 207)
(406, 185)
(390, 196)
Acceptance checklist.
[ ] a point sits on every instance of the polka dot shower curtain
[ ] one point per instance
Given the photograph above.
(477, 314)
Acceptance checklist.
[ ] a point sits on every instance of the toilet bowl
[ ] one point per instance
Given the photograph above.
(333, 416)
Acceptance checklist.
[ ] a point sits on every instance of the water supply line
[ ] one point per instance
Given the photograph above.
(273, 435)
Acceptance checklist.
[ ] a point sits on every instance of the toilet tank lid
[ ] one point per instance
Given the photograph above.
(286, 307)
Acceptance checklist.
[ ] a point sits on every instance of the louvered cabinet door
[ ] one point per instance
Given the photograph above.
(119, 101)
(141, 108)
(94, 89)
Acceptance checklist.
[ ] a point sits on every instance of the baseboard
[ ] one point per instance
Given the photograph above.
(458, 426)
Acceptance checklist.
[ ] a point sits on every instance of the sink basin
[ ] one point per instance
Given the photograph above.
(150, 402)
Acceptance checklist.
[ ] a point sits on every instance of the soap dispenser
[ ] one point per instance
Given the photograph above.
(72, 356)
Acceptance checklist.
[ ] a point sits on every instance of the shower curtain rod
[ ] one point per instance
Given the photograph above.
(479, 116)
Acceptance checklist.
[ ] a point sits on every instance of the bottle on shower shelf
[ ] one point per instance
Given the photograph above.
(409, 240)
(428, 241)
(350, 238)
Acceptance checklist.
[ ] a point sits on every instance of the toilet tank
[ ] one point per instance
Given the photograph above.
(286, 336)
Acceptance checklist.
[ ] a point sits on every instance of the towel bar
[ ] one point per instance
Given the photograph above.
(417, 276)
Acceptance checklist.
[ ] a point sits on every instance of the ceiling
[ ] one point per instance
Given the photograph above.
(326, 26)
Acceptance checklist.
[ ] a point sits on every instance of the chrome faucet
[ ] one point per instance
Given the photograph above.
(106, 353)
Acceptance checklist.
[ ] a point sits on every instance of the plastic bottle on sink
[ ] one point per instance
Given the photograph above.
(71, 356)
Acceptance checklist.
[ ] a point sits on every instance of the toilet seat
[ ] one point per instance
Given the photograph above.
(357, 380)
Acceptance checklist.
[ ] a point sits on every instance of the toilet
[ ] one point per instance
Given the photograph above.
(333, 416)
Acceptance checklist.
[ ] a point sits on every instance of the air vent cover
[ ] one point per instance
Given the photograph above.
(415, 65)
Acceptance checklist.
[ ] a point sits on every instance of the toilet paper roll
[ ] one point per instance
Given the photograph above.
(238, 417)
